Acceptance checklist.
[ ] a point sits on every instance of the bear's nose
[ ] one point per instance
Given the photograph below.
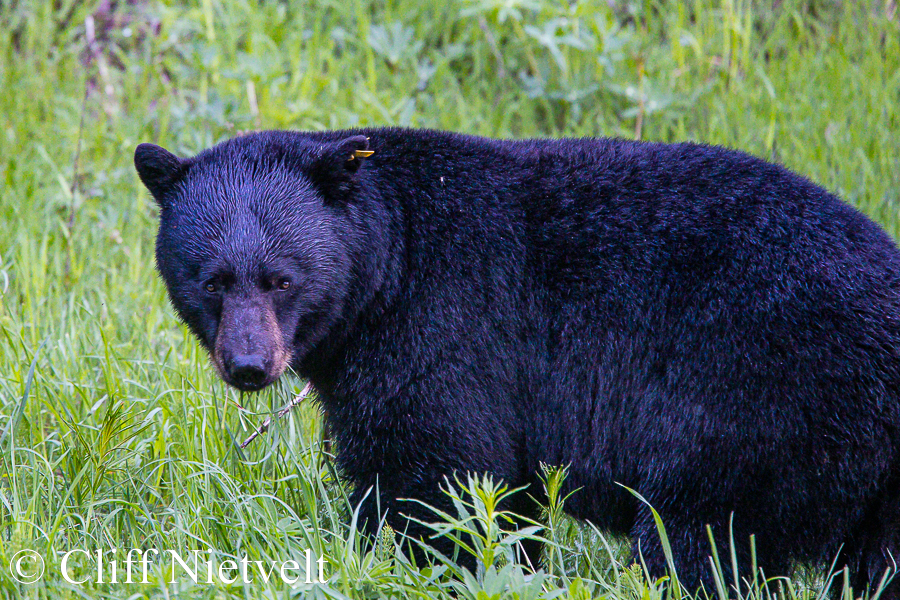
(248, 370)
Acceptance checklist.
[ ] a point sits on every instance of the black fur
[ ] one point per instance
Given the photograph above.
(706, 328)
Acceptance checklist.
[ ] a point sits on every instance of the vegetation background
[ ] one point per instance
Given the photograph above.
(114, 431)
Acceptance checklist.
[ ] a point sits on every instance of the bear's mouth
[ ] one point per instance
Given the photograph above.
(250, 387)
(251, 383)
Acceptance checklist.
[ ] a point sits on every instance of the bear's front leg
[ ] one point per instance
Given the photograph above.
(399, 451)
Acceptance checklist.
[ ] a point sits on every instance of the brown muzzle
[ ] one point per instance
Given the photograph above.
(250, 352)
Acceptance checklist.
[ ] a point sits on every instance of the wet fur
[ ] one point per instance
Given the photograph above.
(708, 329)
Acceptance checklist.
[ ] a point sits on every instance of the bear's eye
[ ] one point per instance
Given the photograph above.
(211, 288)
(283, 284)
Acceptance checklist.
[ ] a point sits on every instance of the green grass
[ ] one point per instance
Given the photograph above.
(117, 433)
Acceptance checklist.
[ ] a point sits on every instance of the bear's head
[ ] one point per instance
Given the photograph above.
(259, 241)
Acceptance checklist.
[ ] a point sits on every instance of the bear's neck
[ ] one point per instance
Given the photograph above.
(379, 264)
(432, 217)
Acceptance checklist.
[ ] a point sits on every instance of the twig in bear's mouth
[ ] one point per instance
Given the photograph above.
(265, 424)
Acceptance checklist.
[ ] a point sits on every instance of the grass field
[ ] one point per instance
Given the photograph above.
(114, 431)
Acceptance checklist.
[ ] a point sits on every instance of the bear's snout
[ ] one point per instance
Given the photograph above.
(247, 371)
(249, 350)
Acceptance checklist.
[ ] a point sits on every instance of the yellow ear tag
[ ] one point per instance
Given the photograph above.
(362, 153)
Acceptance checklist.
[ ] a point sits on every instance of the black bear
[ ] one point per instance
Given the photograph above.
(710, 330)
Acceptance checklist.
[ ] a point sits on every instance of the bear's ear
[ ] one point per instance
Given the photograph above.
(335, 165)
(159, 169)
